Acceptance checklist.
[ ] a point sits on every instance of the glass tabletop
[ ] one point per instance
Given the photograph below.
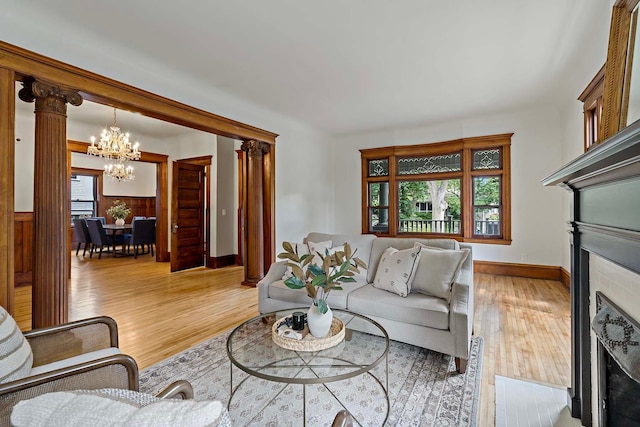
(251, 348)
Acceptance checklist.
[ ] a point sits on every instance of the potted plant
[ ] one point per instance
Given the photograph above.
(119, 211)
(319, 279)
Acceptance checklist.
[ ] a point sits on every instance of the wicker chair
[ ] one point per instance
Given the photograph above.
(57, 345)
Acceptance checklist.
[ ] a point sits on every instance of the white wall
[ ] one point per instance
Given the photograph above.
(588, 60)
(301, 154)
(536, 218)
(143, 185)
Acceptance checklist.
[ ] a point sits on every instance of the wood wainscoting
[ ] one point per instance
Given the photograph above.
(532, 271)
(140, 206)
(23, 247)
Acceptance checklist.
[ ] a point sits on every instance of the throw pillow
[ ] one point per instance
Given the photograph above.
(318, 247)
(301, 249)
(15, 351)
(437, 270)
(396, 270)
(89, 407)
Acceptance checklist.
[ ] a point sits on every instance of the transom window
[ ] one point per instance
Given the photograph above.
(458, 189)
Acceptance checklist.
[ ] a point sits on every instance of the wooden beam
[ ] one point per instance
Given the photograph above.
(103, 90)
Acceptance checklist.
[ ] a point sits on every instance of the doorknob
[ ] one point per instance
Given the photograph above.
(174, 228)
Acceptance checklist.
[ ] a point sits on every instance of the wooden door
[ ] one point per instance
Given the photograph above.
(187, 216)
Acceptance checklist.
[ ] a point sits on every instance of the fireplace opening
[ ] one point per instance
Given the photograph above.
(619, 393)
(618, 364)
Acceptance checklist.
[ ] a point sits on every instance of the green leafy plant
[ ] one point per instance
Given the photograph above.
(119, 210)
(319, 280)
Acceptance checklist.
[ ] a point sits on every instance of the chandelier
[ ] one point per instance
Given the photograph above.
(118, 172)
(114, 144)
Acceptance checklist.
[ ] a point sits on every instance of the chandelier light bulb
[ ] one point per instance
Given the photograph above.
(114, 144)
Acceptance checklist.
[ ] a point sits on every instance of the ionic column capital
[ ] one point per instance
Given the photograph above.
(255, 148)
(49, 97)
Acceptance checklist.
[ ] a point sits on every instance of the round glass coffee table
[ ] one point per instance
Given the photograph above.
(264, 377)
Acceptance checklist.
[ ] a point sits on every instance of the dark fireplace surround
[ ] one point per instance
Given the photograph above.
(605, 221)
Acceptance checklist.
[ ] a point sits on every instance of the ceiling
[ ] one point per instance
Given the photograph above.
(346, 66)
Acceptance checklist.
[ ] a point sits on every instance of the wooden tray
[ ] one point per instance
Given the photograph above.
(309, 342)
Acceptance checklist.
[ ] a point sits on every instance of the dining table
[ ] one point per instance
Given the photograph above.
(114, 230)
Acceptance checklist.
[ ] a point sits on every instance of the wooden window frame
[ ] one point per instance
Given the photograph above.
(466, 146)
(591, 98)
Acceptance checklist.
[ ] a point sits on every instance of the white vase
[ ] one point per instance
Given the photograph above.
(319, 324)
(120, 221)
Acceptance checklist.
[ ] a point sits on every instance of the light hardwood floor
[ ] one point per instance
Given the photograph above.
(525, 322)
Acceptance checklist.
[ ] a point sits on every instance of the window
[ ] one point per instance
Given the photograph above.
(456, 189)
(592, 108)
(84, 202)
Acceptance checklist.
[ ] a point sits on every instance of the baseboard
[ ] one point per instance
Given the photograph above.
(238, 260)
(532, 271)
(565, 277)
(222, 261)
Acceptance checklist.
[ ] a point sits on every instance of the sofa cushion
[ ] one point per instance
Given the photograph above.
(15, 351)
(380, 244)
(318, 247)
(416, 309)
(396, 270)
(360, 246)
(437, 270)
(337, 299)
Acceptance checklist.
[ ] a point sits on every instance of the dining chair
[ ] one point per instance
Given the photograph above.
(138, 217)
(143, 232)
(99, 237)
(82, 234)
(101, 218)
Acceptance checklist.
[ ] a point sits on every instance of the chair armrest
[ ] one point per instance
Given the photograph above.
(275, 273)
(181, 389)
(71, 339)
(342, 419)
(117, 371)
(461, 313)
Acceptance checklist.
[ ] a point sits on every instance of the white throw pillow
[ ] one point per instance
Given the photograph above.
(101, 409)
(15, 351)
(318, 247)
(301, 249)
(437, 270)
(396, 270)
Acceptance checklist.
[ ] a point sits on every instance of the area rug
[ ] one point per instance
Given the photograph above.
(424, 389)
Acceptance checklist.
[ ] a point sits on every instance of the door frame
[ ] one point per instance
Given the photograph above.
(206, 162)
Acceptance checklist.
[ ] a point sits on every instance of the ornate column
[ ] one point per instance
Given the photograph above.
(50, 201)
(254, 227)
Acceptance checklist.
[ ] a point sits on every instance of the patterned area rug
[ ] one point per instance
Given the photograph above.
(424, 388)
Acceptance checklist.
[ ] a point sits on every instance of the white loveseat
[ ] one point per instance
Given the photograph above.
(422, 320)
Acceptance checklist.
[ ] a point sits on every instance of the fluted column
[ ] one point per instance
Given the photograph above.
(254, 227)
(50, 201)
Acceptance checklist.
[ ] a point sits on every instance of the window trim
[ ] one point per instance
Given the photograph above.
(464, 145)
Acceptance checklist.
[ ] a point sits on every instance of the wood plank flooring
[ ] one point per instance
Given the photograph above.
(525, 322)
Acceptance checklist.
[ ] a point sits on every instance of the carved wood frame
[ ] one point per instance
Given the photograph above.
(17, 63)
(613, 99)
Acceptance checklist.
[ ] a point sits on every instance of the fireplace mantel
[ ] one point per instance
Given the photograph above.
(605, 220)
